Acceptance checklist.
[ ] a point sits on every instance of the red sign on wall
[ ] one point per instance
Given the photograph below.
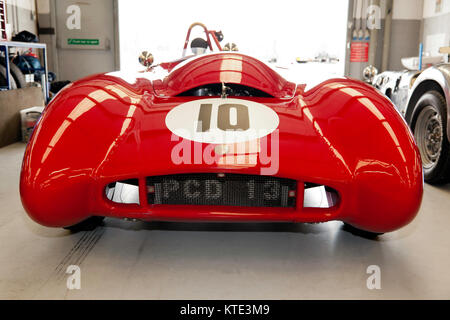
(359, 52)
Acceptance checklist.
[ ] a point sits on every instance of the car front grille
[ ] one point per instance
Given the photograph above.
(220, 189)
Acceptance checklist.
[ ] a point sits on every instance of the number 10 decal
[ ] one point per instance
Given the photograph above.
(230, 117)
(222, 121)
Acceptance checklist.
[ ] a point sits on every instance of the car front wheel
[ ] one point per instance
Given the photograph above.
(86, 225)
(361, 233)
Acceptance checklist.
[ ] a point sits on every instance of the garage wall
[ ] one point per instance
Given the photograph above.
(405, 35)
(97, 23)
(355, 69)
(66, 25)
(47, 33)
(405, 31)
(435, 25)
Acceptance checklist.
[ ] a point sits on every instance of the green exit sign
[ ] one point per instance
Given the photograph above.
(83, 42)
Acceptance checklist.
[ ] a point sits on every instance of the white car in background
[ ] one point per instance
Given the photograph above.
(423, 98)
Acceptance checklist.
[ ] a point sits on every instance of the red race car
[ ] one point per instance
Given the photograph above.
(220, 137)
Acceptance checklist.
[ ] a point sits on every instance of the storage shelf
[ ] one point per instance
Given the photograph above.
(5, 48)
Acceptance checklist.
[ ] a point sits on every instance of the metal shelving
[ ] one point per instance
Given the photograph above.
(5, 48)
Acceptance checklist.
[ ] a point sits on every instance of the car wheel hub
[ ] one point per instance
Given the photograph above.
(428, 132)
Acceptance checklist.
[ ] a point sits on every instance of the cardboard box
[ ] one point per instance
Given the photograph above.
(11, 102)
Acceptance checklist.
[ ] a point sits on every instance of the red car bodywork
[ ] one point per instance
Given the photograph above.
(341, 133)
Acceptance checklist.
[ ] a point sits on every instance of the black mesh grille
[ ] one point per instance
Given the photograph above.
(222, 190)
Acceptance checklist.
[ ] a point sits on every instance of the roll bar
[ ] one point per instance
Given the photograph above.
(209, 34)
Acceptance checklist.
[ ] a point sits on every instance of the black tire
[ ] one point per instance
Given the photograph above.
(429, 126)
(361, 233)
(18, 76)
(56, 86)
(3, 79)
(86, 225)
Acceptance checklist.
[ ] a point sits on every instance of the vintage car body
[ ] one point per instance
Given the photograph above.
(110, 128)
(407, 89)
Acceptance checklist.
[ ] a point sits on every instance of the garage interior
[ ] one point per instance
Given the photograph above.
(123, 259)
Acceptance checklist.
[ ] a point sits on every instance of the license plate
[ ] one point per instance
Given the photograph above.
(221, 190)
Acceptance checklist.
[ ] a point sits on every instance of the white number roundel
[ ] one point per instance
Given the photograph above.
(222, 121)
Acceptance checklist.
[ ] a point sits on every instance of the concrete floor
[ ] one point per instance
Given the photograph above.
(135, 260)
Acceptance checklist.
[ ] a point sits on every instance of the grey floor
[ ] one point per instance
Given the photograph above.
(136, 260)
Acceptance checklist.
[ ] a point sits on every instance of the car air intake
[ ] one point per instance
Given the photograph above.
(219, 189)
(319, 196)
(124, 192)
